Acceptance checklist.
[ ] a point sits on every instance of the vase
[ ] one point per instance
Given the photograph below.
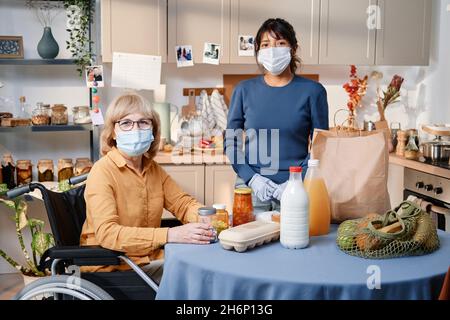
(48, 47)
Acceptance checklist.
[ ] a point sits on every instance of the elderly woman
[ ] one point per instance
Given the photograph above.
(127, 191)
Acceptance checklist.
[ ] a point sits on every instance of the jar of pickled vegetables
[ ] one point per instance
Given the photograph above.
(45, 170)
(222, 221)
(208, 215)
(24, 172)
(82, 166)
(242, 207)
(65, 169)
(8, 171)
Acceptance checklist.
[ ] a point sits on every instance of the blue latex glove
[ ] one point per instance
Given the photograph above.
(262, 187)
(279, 191)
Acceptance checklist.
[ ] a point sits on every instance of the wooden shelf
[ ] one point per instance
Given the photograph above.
(51, 128)
(36, 62)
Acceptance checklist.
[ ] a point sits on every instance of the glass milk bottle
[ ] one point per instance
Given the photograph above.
(294, 221)
(319, 201)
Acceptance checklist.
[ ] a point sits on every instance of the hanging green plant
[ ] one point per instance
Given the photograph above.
(79, 13)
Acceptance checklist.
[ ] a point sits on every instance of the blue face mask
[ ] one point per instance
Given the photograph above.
(134, 143)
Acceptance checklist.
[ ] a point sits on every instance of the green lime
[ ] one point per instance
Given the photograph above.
(346, 242)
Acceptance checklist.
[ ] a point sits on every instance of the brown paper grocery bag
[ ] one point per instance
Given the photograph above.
(355, 168)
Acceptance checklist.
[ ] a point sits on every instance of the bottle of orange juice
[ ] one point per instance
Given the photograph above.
(319, 201)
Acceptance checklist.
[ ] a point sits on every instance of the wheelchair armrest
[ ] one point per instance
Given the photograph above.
(86, 255)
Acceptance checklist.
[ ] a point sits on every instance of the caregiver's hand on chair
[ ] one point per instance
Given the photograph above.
(195, 233)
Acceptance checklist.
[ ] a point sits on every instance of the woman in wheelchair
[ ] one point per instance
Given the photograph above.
(127, 190)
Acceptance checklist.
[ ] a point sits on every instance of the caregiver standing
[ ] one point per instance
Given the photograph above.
(278, 111)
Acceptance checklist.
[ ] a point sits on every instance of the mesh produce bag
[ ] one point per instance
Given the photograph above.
(406, 231)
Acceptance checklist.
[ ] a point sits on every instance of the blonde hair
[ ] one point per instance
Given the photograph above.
(120, 107)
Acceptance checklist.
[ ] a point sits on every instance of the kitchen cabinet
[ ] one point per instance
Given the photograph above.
(219, 185)
(194, 22)
(344, 35)
(190, 178)
(247, 16)
(404, 37)
(134, 26)
(209, 184)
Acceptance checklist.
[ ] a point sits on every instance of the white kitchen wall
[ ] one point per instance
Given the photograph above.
(426, 95)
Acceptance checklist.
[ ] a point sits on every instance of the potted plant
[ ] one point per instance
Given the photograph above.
(40, 241)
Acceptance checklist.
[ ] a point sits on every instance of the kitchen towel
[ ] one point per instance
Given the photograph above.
(355, 168)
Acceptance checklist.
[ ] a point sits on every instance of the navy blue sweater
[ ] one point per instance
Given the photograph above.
(289, 114)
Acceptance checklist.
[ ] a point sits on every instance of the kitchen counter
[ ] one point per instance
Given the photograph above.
(166, 158)
(419, 166)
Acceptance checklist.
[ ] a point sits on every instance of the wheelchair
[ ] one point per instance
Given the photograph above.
(66, 213)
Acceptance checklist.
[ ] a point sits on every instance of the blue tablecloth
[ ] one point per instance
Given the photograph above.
(320, 271)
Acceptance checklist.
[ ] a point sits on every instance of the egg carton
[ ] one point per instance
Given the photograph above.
(249, 235)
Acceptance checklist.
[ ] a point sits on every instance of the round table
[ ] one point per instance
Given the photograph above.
(321, 271)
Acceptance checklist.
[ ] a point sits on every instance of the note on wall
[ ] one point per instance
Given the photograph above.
(136, 71)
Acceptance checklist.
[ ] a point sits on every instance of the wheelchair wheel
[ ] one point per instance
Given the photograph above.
(62, 288)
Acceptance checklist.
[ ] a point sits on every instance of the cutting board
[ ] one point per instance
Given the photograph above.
(231, 80)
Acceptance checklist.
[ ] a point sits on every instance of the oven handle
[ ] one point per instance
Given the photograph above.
(440, 210)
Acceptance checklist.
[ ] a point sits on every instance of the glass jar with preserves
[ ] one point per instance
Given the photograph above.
(82, 166)
(59, 114)
(242, 207)
(222, 221)
(8, 171)
(45, 170)
(208, 215)
(65, 169)
(81, 115)
(24, 172)
(40, 115)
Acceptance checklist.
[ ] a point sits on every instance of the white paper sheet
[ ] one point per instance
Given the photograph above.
(136, 71)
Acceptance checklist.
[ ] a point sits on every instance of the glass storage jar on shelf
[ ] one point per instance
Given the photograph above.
(45, 170)
(59, 114)
(40, 115)
(208, 215)
(82, 166)
(81, 115)
(24, 172)
(8, 171)
(222, 221)
(65, 169)
(242, 207)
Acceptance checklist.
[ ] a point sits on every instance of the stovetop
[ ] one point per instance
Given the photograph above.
(444, 165)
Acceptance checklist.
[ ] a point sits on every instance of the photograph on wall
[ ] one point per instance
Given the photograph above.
(246, 46)
(211, 53)
(11, 47)
(95, 77)
(184, 56)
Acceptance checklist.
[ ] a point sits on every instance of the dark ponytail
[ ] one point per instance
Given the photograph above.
(280, 29)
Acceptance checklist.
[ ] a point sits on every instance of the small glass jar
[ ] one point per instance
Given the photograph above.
(81, 115)
(82, 166)
(45, 170)
(59, 114)
(242, 207)
(40, 115)
(208, 215)
(65, 169)
(24, 172)
(8, 171)
(222, 221)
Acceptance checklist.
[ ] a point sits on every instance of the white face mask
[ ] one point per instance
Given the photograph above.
(275, 59)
